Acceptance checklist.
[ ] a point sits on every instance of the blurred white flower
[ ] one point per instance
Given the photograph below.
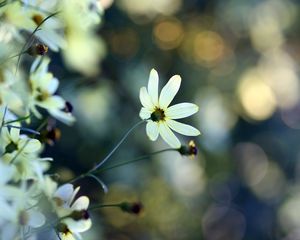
(160, 116)
(74, 212)
(22, 16)
(43, 87)
(21, 152)
(18, 207)
(14, 144)
(84, 48)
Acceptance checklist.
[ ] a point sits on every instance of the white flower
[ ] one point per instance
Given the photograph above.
(160, 116)
(43, 88)
(16, 146)
(20, 211)
(20, 16)
(21, 152)
(74, 213)
(84, 48)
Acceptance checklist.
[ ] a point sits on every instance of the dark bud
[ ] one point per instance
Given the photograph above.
(80, 215)
(38, 19)
(11, 147)
(68, 107)
(190, 150)
(38, 50)
(133, 208)
(62, 228)
(50, 135)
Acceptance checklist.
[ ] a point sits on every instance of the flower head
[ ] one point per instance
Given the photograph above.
(160, 115)
(43, 88)
(74, 212)
(189, 150)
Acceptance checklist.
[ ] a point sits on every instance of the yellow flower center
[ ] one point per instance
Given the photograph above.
(158, 115)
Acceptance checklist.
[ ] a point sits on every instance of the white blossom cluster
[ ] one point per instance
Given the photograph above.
(31, 201)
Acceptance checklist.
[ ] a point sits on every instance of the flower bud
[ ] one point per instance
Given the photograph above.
(50, 135)
(63, 228)
(80, 215)
(190, 150)
(38, 50)
(133, 208)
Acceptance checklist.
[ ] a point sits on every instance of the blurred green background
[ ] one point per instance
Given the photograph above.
(239, 62)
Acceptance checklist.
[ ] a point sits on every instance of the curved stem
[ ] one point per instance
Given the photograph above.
(116, 147)
(99, 206)
(134, 160)
(94, 169)
(92, 172)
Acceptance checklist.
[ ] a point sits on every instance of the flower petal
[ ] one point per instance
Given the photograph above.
(65, 117)
(78, 226)
(168, 135)
(145, 113)
(82, 203)
(15, 134)
(36, 219)
(152, 130)
(64, 192)
(181, 110)
(182, 128)
(76, 190)
(145, 99)
(53, 102)
(29, 145)
(169, 91)
(53, 85)
(153, 86)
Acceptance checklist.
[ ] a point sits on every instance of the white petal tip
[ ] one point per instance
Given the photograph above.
(153, 71)
(176, 77)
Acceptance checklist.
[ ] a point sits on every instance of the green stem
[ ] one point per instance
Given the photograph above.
(134, 160)
(116, 147)
(18, 120)
(99, 206)
(94, 169)
(92, 172)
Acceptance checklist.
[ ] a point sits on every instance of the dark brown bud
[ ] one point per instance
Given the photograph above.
(37, 18)
(37, 50)
(190, 150)
(50, 135)
(80, 215)
(133, 208)
(63, 228)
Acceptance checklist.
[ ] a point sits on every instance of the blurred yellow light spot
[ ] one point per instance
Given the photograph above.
(144, 10)
(256, 96)
(280, 73)
(208, 47)
(168, 33)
